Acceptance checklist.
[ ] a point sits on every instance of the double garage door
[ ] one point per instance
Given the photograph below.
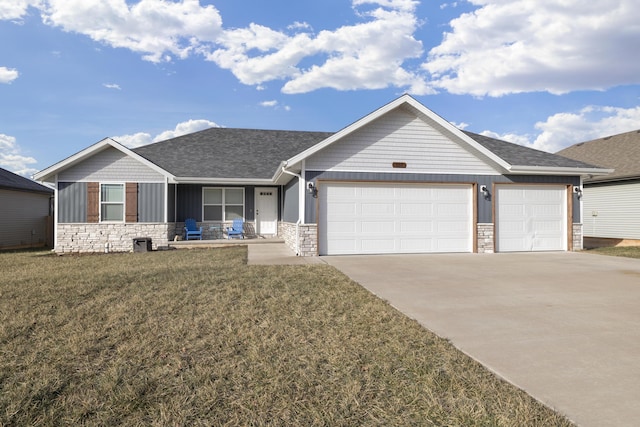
(374, 218)
(388, 218)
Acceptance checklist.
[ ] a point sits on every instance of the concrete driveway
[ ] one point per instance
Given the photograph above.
(564, 327)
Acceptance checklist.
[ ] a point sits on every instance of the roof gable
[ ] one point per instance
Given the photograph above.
(505, 157)
(620, 152)
(400, 141)
(49, 174)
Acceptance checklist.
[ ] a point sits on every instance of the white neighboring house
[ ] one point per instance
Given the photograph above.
(25, 212)
(611, 203)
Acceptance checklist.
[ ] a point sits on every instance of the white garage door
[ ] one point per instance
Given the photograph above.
(373, 218)
(531, 218)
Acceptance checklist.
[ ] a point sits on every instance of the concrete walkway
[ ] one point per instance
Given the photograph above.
(276, 254)
(564, 327)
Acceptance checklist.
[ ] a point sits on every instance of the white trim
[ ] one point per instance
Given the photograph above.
(48, 173)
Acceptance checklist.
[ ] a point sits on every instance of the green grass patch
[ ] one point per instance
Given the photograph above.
(197, 337)
(623, 251)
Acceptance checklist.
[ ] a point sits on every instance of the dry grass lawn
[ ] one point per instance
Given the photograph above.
(197, 337)
(623, 251)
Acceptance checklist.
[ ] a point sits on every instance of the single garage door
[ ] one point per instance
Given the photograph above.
(531, 218)
(379, 218)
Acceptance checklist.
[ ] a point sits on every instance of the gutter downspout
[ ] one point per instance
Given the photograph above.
(299, 219)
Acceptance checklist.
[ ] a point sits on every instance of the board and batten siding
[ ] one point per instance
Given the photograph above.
(612, 211)
(73, 202)
(23, 218)
(110, 165)
(398, 136)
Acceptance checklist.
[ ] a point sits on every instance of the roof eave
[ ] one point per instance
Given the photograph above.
(222, 181)
(557, 170)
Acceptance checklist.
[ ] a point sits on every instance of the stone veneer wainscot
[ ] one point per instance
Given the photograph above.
(85, 238)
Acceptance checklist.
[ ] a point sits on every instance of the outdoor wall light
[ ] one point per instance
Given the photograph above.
(312, 189)
(485, 192)
(578, 192)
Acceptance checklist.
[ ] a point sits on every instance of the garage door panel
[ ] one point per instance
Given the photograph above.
(395, 218)
(531, 218)
(373, 209)
(409, 227)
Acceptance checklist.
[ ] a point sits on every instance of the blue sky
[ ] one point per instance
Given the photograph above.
(541, 73)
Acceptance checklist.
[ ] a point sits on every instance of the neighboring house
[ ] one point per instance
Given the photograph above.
(611, 203)
(399, 180)
(25, 209)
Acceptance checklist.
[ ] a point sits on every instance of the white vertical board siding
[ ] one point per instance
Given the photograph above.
(110, 165)
(531, 218)
(398, 136)
(23, 218)
(612, 211)
(385, 218)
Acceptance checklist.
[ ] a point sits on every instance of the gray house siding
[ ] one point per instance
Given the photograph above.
(150, 202)
(24, 218)
(72, 202)
(485, 207)
(290, 201)
(189, 201)
(110, 165)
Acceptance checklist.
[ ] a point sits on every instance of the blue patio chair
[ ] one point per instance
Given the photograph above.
(191, 230)
(237, 229)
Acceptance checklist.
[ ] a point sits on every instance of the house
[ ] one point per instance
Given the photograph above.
(24, 212)
(399, 180)
(612, 202)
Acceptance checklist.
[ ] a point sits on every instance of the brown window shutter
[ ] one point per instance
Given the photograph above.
(131, 202)
(93, 201)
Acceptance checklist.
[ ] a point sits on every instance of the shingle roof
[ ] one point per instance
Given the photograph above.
(515, 154)
(255, 154)
(11, 181)
(229, 153)
(619, 152)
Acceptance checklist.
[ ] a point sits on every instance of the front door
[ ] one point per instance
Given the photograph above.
(266, 211)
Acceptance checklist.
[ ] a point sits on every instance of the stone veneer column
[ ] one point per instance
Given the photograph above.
(485, 238)
(577, 237)
(307, 237)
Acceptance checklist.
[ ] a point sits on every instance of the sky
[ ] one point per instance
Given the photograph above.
(542, 73)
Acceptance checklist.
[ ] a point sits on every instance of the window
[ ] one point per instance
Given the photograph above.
(223, 204)
(112, 202)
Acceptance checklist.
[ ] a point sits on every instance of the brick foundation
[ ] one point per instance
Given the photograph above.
(577, 237)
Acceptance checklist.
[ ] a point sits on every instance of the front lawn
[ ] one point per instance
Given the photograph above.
(197, 337)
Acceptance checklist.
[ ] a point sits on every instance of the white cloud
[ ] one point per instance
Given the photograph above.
(183, 128)
(159, 29)
(12, 159)
(518, 46)
(7, 75)
(112, 86)
(15, 9)
(564, 129)
(367, 55)
(269, 103)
